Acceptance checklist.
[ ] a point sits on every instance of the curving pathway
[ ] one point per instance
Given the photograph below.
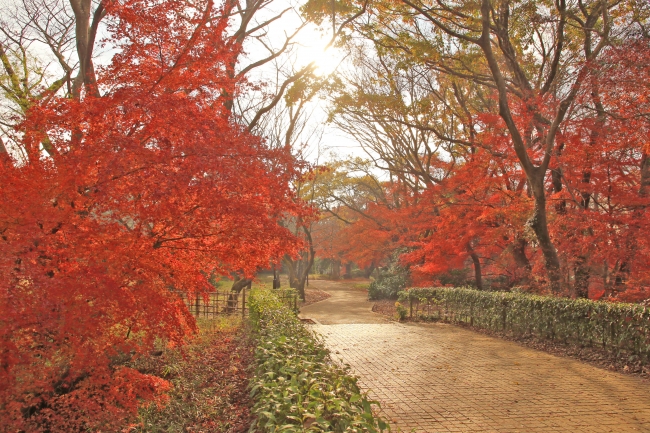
(442, 378)
(346, 305)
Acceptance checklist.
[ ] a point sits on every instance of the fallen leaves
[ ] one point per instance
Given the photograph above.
(210, 382)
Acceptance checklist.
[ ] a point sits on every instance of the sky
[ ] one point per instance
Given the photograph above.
(310, 46)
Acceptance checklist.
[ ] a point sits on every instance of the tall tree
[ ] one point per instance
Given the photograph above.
(142, 192)
(533, 58)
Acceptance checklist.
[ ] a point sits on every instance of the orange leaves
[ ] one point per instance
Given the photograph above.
(595, 192)
(152, 187)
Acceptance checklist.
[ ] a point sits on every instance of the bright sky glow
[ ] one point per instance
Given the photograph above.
(326, 59)
(309, 45)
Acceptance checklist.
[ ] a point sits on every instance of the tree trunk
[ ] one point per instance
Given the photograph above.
(534, 173)
(348, 270)
(582, 274)
(291, 271)
(336, 269)
(519, 254)
(233, 298)
(556, 180)
(299, 269)
(622, 274)
(301, 282)
(85, 33)
(239, 283)
(538, 222)
(4, 155)
(644, 190)
(299, 272)
(478, 278)
(477, 270)
(368, 271)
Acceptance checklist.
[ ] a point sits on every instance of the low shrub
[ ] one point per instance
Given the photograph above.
(621, 329)
(402, 312)
(390, 281)
(296, 387)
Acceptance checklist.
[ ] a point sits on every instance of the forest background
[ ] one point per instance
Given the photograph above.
(150, 148)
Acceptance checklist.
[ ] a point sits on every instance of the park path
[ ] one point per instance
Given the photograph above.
(442, 378)
(346, 305)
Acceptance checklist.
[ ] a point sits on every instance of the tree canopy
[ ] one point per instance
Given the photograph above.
(134, 186)
(511, 131)
(507, 145)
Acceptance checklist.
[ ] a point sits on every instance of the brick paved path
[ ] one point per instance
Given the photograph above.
(441, 378)
(346, 305)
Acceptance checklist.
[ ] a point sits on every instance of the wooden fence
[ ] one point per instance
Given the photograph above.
(213, 304)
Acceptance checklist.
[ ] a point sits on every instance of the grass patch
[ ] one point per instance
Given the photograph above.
(323, 277)
(361, 286)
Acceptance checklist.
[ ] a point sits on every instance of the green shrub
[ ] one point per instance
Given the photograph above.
(297, 387)
(390, 280)
(621, 329)
(402, 312)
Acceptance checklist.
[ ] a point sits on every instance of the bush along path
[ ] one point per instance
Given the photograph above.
(618, 330)
(296, 386)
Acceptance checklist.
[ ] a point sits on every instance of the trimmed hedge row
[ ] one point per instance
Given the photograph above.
(621, 329)
(297, 388)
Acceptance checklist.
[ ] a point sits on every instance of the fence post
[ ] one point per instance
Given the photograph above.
(410, 307)
(196, 306)
(243, 303)
(471, 313)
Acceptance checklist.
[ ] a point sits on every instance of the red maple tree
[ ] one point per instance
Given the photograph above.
(477, 217)
(148, 187)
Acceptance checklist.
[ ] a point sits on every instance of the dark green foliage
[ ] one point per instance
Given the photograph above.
(297, 387)
(621, 329)
(390, 281)
(458, 277)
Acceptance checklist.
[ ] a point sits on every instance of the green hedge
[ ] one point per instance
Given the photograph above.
(297, 388)
(622, 329)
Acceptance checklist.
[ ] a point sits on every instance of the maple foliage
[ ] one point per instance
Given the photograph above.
(363, 241)
(150, 187)
(351, 208)
(603, 212)
(476, 216)
(514, 128)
